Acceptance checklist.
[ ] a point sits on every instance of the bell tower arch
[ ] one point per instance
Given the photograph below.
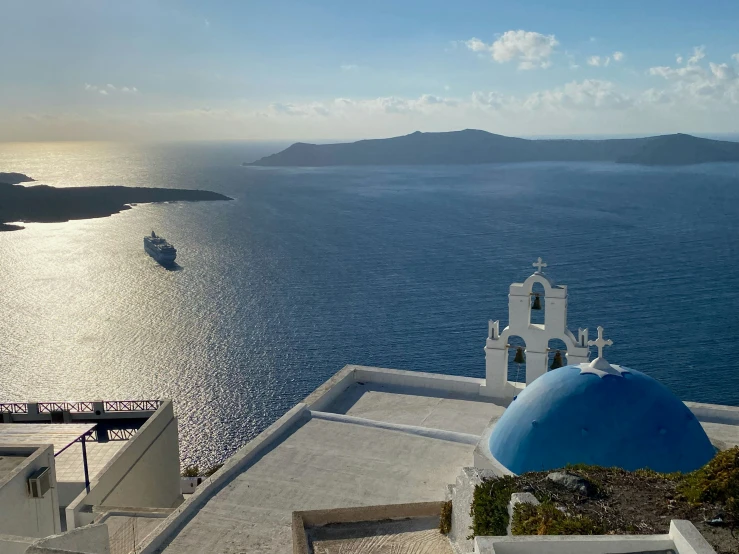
(536, 335)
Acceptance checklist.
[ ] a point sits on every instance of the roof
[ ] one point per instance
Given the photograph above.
(58, 434)
(623, 419)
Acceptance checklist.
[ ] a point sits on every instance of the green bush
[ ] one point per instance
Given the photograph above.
(212, 470)
(194, 471)
(445, 519)
(489, 508)
(716, 482)
(546, 519)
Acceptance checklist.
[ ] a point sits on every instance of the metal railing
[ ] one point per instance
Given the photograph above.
(120, 434)
(13, 408)
(82, 407)
(76, 407)
(131, 405)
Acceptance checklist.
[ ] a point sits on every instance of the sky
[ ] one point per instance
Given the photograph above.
(344, 69)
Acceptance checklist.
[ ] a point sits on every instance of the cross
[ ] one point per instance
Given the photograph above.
(600, 342)
(539, 264)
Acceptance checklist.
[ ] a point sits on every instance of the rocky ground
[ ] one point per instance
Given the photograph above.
(597, 500)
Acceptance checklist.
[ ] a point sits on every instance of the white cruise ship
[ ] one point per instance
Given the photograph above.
(159, 249)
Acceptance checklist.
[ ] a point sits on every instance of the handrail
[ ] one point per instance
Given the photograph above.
(81, 407)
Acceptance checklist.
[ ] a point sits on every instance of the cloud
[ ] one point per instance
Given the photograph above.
(699, 52)
(349, 67)
(597, 61)
(476, 45)
(588, 94)
(109, 89)
(207, 23)
(618, 56)
(530, 49)
(695, 84)
(735, 57)
(426, 103)
(491, 100)
(679, 59)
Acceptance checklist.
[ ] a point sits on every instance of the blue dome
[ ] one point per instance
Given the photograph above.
(629, 421)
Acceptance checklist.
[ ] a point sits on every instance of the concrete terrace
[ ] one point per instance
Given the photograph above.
(359, 442)
(368, 436)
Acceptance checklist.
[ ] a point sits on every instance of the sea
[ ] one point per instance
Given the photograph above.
(310, 269)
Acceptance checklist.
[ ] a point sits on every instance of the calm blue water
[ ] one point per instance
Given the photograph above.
(311, 269)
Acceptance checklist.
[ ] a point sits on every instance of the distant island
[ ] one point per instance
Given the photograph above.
(44, 204)
(480, 147)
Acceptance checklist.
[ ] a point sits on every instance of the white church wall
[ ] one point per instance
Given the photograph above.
(536, 336)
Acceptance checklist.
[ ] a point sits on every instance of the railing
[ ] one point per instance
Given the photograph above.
(81, 407)
(76, 407)
(120, 434)
(131, 405)
(13, 408)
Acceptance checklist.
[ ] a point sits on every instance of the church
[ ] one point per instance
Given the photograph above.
(587, 412)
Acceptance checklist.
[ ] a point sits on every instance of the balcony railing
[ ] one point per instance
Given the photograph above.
(81, 407)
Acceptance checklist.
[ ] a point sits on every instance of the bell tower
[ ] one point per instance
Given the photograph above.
(535, 335)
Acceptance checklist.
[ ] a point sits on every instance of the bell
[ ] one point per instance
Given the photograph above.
(537, 304)
(520, 358)
(557, 361)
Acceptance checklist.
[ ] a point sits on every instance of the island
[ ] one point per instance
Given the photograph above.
(45, 204)
(480, 147)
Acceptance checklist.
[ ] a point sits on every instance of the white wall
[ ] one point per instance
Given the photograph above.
(21, 514)
(145, 473)
(10, 544)
(92, 539)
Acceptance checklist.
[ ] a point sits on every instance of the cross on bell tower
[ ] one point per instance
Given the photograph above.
(539, 264)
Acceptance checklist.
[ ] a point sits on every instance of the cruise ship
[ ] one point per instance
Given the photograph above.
(159, 249)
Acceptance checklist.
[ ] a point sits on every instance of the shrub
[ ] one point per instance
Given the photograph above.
(489, 508)
(445, 519)
(716, 482)
(191, 471)
(212, 470)
(546, 519)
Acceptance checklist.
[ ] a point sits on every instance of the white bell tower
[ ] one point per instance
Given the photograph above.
(535, 335)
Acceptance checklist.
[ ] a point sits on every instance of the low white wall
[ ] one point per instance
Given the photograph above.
(452, 436)
(91, 539)
(19, 513)
(145, 473)
(440, 382)
(10, 544)
(68, 491)
(688, 539)
(564, 544)
(329, 391)
(714, 413)
(683, 538)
